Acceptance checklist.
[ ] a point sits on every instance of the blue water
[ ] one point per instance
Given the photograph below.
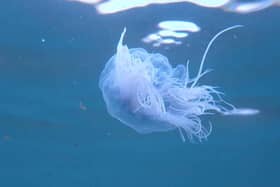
(54, 127)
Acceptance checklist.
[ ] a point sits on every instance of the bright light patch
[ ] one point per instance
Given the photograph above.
(169, 41)
(157, 40)
(151, 38)
(157, 44)
(114, 6)
(169, 33)
(87, 1)
(175, 25)
(209, 3)
(242, 112)
(249, 6)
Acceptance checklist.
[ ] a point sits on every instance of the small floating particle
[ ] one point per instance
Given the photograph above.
(82, 106)
(43, 40)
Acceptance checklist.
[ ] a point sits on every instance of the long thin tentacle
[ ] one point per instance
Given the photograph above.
(207, 49)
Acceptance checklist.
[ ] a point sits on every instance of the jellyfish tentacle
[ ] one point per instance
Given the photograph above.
(187, 77)
(207, 49)
(181, 134)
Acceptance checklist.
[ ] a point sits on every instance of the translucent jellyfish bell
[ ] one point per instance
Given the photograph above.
(146, 93)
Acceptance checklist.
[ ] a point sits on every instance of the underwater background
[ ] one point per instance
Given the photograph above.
(54, 126)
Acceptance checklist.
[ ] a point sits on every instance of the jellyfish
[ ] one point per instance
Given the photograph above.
(146, 93)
